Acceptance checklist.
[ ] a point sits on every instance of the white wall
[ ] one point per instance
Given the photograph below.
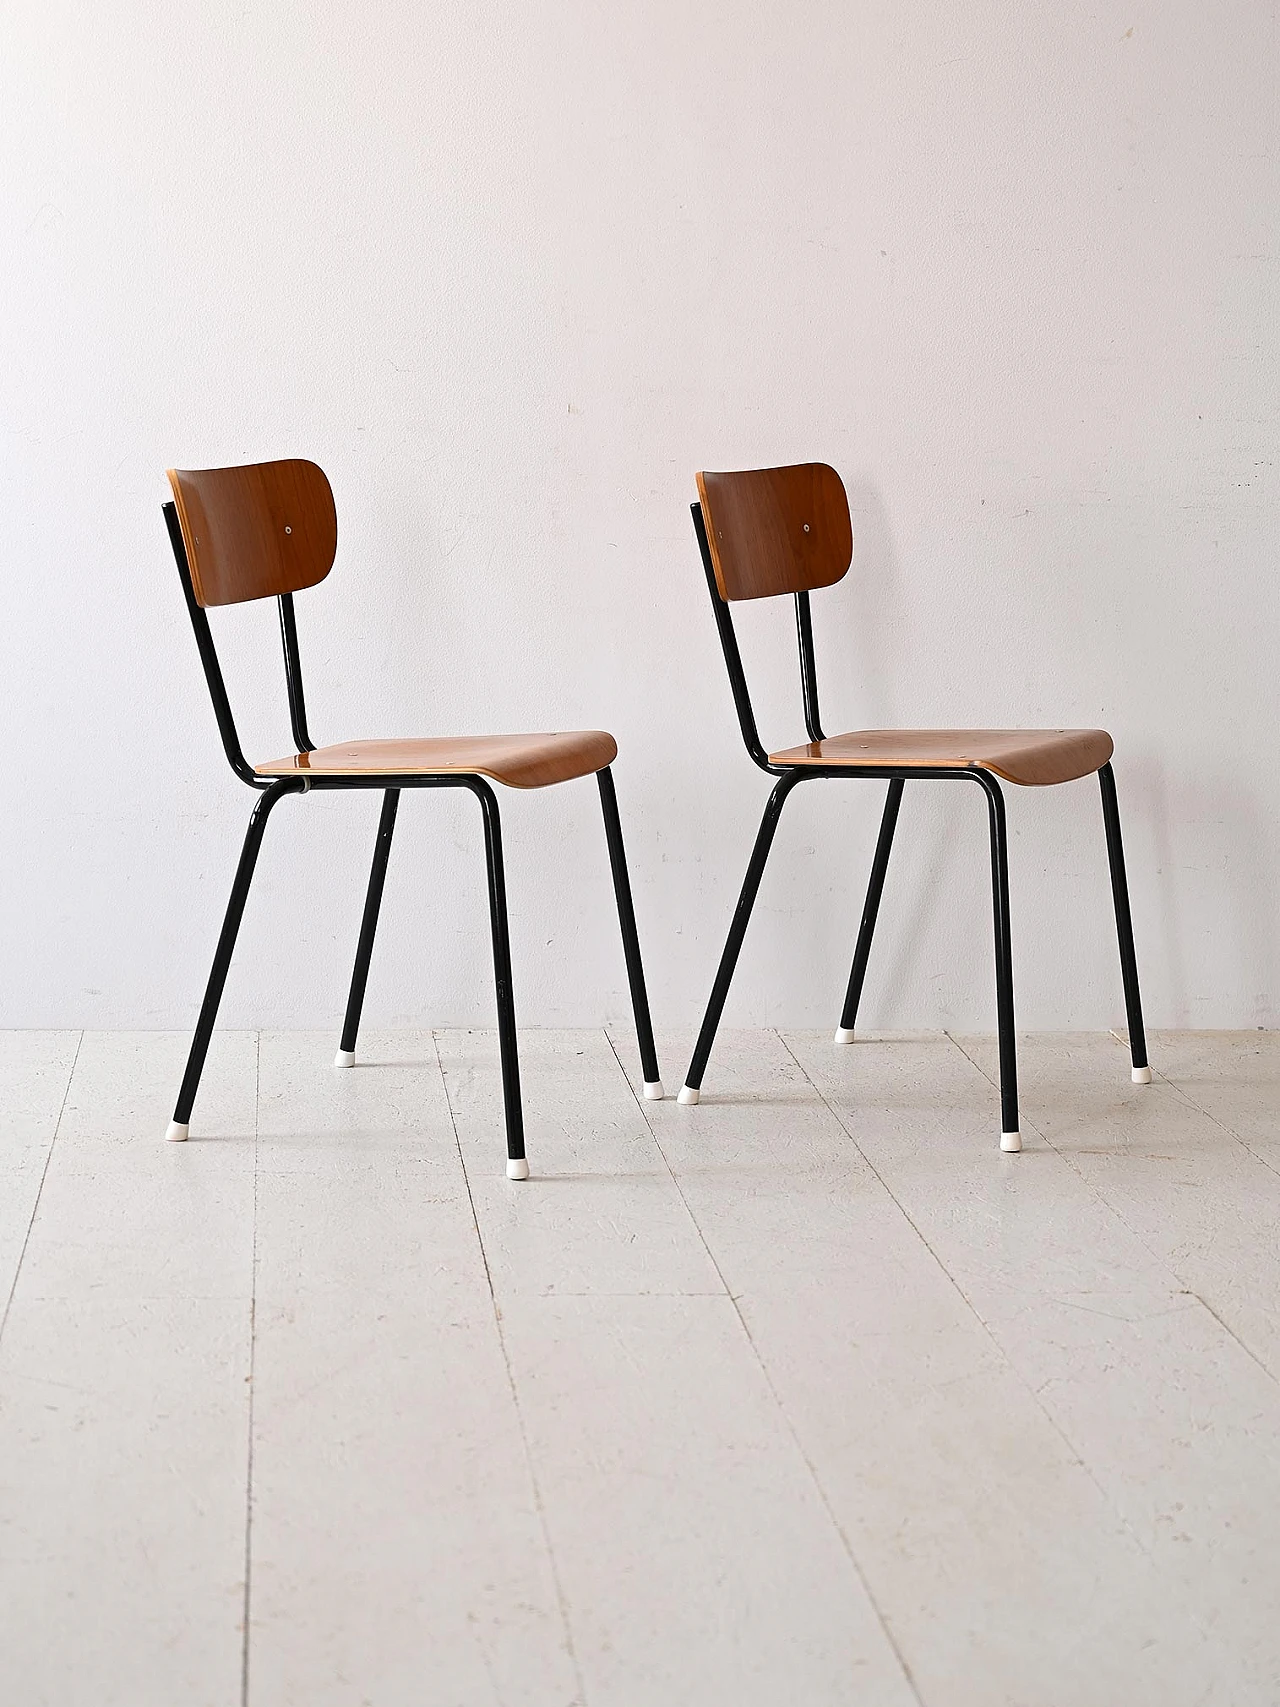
(511, 274)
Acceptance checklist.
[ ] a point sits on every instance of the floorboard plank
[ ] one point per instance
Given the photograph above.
(35, 1070)
(1197, 1196)
(1002, 1571)
(398, 1554)
(1234, 1076)
(697, 1555)
(806, 1393)
(124, 1391)
(698, 1559)
(1177, 1424)
(604, 1214)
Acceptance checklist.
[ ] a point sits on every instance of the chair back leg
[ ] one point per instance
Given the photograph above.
(737, 931)
(222, 954)
(1124, 927)
(517, 1166)
(630, 937)
(1010, 1136)
(870, 910)
(346, 1055)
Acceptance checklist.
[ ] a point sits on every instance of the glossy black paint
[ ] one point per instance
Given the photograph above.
(274, 789)
(790, 776)
(369, 921)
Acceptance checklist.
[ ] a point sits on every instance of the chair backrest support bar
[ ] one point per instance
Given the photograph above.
(293, 676)
(729, 646)
(808, 668)
(209, 658)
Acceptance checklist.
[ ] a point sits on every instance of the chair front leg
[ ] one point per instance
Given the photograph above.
(517, 1166)
(870, 910)
(737, 930)
(1010, 1137)
(179, 1126)
(346, 1056)
(1124, 928)
(630, 938)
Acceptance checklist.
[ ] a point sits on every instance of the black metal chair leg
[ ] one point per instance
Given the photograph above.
(179, 1125)
(1010, 1137)
(630, 938)
(1124, 927)
(737, 930)
(517, 1166)
(870, 909)
(346, 1056)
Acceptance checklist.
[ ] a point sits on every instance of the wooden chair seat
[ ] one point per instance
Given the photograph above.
(1032, 757)
(519, 761)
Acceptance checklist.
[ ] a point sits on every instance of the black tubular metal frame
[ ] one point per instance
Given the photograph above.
(273, 789)
(790, 775)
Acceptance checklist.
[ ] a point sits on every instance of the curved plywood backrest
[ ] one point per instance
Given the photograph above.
(257, 531)
(776, 530)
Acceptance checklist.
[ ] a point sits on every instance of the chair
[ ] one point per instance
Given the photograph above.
(269, 531)
(787, 530)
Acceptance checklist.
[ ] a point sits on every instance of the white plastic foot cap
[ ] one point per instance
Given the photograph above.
(177, 1131)
(843, 1034)
(518, 1170)
(1142, 1075)
(689, 1094)
(1011, 1142)
(653, 1090)
(345, 1058)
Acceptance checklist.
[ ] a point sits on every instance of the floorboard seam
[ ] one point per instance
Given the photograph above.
(561, 1598)
(1231, 1333)
(1118, 1515)
(657, 1144)
(1052, 1421)
(1218, 1121)
(1157, 1255)
(253, 1344)
(775, 1396)
(1161, 1259)
(44, 1174)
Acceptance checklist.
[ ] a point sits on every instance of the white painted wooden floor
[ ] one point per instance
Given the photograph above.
(807, 1395)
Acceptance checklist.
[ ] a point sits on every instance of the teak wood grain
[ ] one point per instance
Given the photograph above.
(519, 761)
(776, 530)
(256, 531)
(1035, 758)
